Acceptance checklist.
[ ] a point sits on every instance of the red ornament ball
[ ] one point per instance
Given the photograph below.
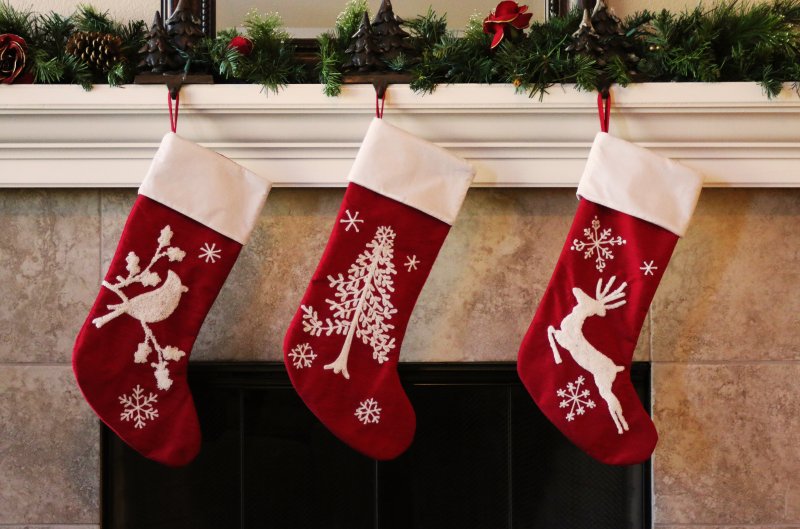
(241, 44)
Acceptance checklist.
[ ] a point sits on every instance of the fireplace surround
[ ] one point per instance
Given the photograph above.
(721, 335)
(483, 457)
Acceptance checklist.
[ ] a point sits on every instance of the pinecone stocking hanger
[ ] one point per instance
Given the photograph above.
(194, 212)
(576, 356)
(343, 345)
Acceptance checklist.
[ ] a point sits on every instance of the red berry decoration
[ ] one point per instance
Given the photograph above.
(12, 57)
(507, 17)
(241, 44)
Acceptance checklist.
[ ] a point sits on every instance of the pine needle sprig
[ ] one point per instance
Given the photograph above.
(332, 46)
(454, 59)
(16, 21)
(426, 30)
(331, 59)
(272, 62)
(77, 71)
(88, 18)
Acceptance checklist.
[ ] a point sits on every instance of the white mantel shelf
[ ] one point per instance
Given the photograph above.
(62, 136)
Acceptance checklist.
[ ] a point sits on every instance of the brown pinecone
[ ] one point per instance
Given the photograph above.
(101, 51)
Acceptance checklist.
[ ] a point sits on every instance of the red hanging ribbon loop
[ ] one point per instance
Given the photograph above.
(604, 109)
(379, 103)
(173, 117)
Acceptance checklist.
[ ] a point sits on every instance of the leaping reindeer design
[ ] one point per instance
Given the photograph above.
(570, 337)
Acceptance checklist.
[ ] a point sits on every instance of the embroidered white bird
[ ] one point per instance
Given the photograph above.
(153, 306)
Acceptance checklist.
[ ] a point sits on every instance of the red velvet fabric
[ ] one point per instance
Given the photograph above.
(599, 340)
(334, 399)
(104, 358)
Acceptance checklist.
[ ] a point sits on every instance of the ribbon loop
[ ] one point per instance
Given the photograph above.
(604, 109)
(173, 117)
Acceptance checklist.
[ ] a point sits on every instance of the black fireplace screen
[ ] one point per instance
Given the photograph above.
(483, 457)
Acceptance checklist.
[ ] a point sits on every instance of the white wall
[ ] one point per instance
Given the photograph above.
(319, 14)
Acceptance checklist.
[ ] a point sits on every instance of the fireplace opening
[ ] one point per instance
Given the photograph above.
(484, 457)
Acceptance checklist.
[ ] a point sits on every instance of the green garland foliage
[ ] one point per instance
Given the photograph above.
(333, 43)
(453, 59)
(271, 64)
(46, 36)
(731, 41)
(734, 40)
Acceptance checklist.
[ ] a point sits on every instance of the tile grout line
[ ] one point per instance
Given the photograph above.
(35, 364)
(718, 526)
(721, 361)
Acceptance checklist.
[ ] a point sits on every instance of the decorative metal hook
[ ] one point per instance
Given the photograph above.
(174, 85)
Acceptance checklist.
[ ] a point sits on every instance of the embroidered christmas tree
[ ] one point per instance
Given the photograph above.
(362, 306)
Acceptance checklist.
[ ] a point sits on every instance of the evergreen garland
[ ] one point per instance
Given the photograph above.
(332, 46)
(731, 41)
(271, 63)
(47, 35)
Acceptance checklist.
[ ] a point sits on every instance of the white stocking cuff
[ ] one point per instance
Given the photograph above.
(206, 187)
(633, 180)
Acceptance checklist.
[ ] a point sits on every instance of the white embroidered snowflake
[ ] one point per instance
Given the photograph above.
(597, 244)
(138, 407)
(411, 263)
(210, 254)
(368, 412)
(575, 399)
(648, 268)
(351, 221)
(302, 356)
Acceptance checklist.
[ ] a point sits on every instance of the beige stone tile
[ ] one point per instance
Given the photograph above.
(489, 278)
(487, 281)
(49, 448)
(115, 205)
(704, 526)
(49, 261)
(250, 317)
(732, 291)
(50, 526)
(728, 443)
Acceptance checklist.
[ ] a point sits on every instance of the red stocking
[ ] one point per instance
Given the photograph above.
(343, 344)
(194, 212)
(575, 359)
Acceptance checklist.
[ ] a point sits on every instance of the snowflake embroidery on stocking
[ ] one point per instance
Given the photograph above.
(302, 356)
(138, 407)
(648, 268)
(363, 303)
(150, 307)
(411, 263)
(597, 244)
(575, 399)
(210, 254)
(351, 221)
(368, 412)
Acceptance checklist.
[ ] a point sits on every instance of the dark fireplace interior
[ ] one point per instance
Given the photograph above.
(483, 457)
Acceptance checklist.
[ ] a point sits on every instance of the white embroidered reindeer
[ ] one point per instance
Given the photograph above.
(570, 337)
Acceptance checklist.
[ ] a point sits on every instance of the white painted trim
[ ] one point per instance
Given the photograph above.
(412, 171)
(61, 136)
